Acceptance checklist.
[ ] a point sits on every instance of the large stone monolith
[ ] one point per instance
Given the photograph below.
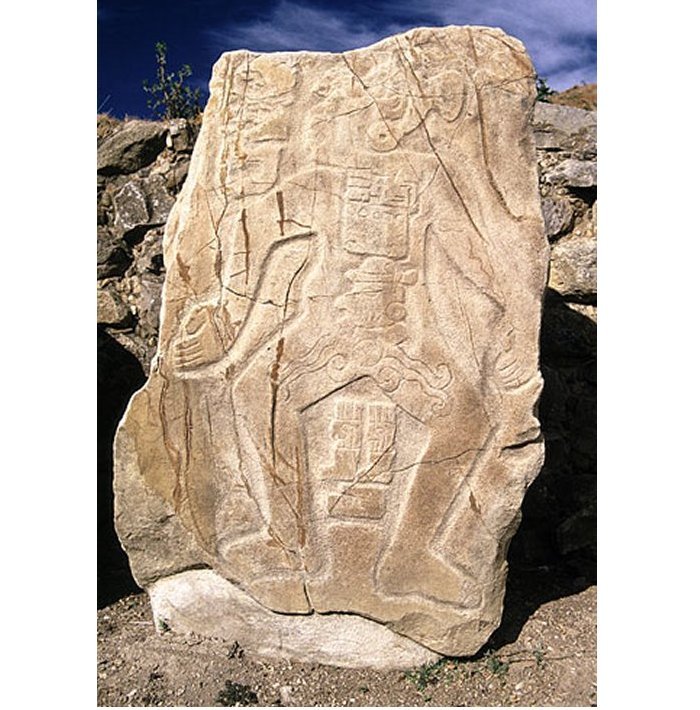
(328, 460)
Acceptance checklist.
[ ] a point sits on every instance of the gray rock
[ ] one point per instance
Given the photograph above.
(158, 199)
(558, 215)
(131, 208)
(148, 255)
(146, 277)
(143, 283)
(149, 304)
(181, 135)
(142, 203)
(133, 343)
(104, 202)
(112, 255)
(177, 174)
(286, 697)
(111, 310)
(551, 118)
(573, 267)
(572, 172)
(133, 147)
(565, 128)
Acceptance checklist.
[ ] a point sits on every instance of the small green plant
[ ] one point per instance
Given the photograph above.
(236, 695)
(163, 626)
(427, 674)
(170, 97)
(543, 90)
(495, 664)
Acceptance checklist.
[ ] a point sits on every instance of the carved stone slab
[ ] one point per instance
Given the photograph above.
(339, 426)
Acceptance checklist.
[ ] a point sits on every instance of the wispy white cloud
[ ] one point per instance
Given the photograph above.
(292, 25)
(558, 34)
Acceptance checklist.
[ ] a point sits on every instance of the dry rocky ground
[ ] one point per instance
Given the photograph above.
(543, 655)
(583, 96)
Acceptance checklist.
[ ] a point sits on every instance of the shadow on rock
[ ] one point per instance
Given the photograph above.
(527, 591)
(553, 554)
(119, 375)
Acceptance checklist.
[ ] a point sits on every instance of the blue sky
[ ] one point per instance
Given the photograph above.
(560, 35)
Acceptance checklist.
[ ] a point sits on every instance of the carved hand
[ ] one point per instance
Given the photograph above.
(201, 342)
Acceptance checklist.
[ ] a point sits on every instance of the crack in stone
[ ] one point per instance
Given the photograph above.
(252, 299)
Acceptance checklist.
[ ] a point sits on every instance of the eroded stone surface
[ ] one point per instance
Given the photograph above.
(202, 602)
(340, 417)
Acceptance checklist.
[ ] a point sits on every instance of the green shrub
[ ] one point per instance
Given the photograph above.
(543, 90)
(170, 96)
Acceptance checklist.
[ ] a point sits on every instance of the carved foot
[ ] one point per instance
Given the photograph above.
(284, 594)
(420, 574)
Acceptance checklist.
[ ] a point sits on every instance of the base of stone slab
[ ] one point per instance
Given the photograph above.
(204, 603)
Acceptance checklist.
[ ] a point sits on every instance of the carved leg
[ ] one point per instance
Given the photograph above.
(267, 560)
(415, 561)
(408, 565)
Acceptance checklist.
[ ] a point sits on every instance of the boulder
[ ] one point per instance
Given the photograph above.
(574, 267)
(564, 128)
(113, 257)
(111, 310)
(337, 432)
(574, 262)
(558, 216)
(574, 173)
(181, 135)
(134, 146)
(142, 203)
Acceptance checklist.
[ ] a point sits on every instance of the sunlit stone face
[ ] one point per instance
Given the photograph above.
(341, 416)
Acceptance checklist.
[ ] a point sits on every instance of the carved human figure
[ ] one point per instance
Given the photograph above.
(301, 316)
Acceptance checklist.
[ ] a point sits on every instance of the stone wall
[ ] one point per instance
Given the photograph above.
(559, 513)
(142, 165)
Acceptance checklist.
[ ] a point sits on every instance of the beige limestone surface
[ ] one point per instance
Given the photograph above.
(341, 416)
